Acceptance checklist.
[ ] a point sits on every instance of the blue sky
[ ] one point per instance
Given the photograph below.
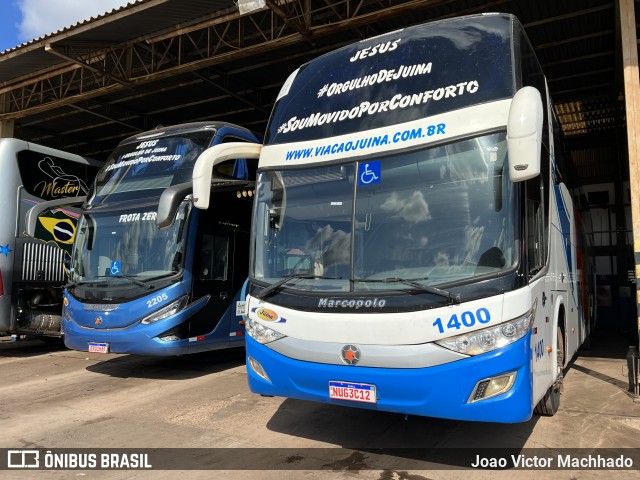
(24, 20)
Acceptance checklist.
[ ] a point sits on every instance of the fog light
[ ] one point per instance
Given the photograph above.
(490, 387)
(170, 338)
(256, 366)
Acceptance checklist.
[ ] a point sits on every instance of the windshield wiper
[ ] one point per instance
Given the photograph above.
(413, 282)
(148, 286)
(85, 282)
(294, 276)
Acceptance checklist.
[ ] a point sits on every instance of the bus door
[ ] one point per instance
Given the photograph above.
(212, 275)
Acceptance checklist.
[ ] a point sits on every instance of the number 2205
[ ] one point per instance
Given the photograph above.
(156, 300)
(466, 319)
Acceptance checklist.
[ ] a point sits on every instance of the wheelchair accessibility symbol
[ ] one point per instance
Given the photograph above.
(369, 173)
(115, 268)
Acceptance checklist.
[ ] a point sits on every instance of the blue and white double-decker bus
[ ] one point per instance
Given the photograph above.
(414, 246)
(148, 273)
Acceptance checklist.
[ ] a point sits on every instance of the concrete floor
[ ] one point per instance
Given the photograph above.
(53, 398)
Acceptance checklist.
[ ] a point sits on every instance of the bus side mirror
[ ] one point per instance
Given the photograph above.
(170, 200)
(212, 156)
(524, 134)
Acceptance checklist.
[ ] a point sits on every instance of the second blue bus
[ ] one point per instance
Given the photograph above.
(150, 274)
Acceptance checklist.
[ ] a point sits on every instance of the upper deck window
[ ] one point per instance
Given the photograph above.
(49, 177)
(399, 77)
(153, 163)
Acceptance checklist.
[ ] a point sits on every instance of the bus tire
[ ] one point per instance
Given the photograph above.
(587, 341)
(549, 404)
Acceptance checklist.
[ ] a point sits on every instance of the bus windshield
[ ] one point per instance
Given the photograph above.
(435, 216)
(150, 164)
(125, 248)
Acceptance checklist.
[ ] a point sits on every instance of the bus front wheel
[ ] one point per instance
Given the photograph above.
(548, 405)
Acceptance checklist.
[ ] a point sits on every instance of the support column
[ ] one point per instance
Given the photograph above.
(632, 109)
(6, 128)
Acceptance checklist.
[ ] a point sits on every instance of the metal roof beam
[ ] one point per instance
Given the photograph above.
(569, 15)
(88, 61)
(577, 38)
(239, 85)
(236, 93)
(288, 11)
(106, 117)
(598, 86)
(213, 43)
(43, 134)
(579, 75)
(577, 59)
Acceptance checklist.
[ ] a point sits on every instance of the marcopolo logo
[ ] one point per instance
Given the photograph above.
(352, 303)
(350, 354)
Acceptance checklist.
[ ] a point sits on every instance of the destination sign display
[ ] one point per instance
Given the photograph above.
(399, 77)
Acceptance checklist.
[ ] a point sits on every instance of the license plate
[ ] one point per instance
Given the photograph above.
(355, 392)
(95, 347)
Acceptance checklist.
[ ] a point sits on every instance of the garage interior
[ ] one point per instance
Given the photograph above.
(160, 62)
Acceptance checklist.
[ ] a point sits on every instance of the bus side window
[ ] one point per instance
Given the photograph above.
(214, 257)
(535, 228)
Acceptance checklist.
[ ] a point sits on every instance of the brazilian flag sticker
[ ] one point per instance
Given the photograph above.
(57, 227)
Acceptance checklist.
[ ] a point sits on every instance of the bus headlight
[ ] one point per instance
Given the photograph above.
(260, 333)
(66, 314)
(487, 339)
(165, 312)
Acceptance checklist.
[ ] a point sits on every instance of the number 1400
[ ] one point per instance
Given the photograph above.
(466, 319)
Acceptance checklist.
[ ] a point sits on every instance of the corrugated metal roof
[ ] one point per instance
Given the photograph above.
(136, 19)
(72, 27)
